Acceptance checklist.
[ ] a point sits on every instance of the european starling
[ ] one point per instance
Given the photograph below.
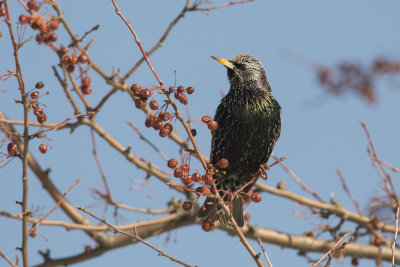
(249, 124)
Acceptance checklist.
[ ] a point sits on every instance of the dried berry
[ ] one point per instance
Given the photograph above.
(208, 179)
(39, 21)
(377, 242)
(43, 148)
(34, 233)
(177, 95)
(63, 51)
(187, 206)
(183, 99)
(23, 19)
(172, 163)
(35, 95)
(32, 18)
(169, 127)
(186, 179)
(43, 28)
(41, 118)
(164, 116)
(39, 38)
(3, 12)
(70, 68)
(247, 217)
(140, 104)
(39, 85)
(87, 90)
(247, 197)
(178, 172)
(180, 89)
(223, 163)
(196, 177)
(53, 24)
(164, 132)
(53, 37)
(149, 121)
(190, 90)
(135, 87)
(212, 125)
(88, 249)
(12, 148)
(185, 167)
(256, 197)
(206, 119)
(194, 132)
(354, 261)
(74, 59)
(32, 4)
(83, 58)
(86, 81)
(207, 225)
(153, 104)
(38, 111)
(158, 125)
(145, 93)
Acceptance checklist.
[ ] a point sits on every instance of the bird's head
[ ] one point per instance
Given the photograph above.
(244, 69)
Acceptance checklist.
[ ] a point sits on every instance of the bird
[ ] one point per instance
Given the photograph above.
(249, 124)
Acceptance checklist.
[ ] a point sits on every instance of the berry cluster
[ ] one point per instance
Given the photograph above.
(69, 61)
(180, 93)
(41, 116)
(211, 124)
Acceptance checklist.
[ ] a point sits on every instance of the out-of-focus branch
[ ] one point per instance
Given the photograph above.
(4, 256)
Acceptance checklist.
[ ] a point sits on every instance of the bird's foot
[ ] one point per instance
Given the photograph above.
(263, 171)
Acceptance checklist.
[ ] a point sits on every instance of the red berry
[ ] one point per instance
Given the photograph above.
(70, 68)
(63, 51)
(83, 58)
(12, 148)
(34, 233)
(185, 167)
(88, 249)
(186, 179)
(39, 21)
(180, 89)
(247, 217)
(35, 95)
(32, 18)
(256, 197)
(172, 163)
(190, 90)
(135, 87)
(149, 121)
(206, 119)
(74, 59)
(208, 179)
(212, 125)
(46, 37)
(183, 99)
(153, 104)
(87, 90)
(3, 12)
(164, 116)
(169, 127)
(140, 104)
(53, 24)
(39, 85)
(377, 242)
(178, 172)
(53, 37)
(38, 111)
(23, 19)
(223, 163)
(158, 125)
(43, 148)
(207, 225)
(41, 118)
(187, 206)
(354, 262)
(86, 81)
(145, 93)
(196, 177)
(39, 38)
(164, 132)
(194, 132)
(43, 28)
(32, 4)
(177, 95)
(247, 198)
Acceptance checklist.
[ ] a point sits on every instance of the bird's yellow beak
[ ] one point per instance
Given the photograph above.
(224, 62)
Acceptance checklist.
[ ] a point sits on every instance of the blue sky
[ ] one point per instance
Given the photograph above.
(317, 137)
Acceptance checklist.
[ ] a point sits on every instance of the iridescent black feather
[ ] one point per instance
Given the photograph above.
(249, 124)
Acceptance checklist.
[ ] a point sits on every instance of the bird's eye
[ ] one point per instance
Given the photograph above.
(240, 66)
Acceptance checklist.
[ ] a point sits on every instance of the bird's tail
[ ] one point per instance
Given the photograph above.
(211, 210)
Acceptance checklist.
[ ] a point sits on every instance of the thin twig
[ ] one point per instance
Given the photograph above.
(395, 232)
(55, 207)
(334, 248)
(265, 252)
(298, 180)
(387, 165)
(141, 136)
(195, 8)
(4, 256)
(135, 236)
(355, 202)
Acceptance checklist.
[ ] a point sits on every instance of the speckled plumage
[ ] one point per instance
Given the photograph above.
(249, 124)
